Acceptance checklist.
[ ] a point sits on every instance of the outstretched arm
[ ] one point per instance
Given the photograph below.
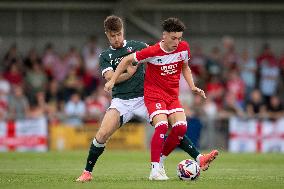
(122, 66)
(124, 76)
(189, 79)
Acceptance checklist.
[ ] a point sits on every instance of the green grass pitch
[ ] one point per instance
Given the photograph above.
(128, 169)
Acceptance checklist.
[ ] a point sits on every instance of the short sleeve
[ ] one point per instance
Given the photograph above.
(143, 55)
(104, 65)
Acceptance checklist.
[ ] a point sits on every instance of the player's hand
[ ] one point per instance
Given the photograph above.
(199, 92)
(108, 86)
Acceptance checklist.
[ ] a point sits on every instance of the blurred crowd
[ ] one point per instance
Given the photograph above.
(68, 87)
(237, 83)
(65, 88)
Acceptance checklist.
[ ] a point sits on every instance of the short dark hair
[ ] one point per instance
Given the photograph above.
(113, 23)
(173, 25)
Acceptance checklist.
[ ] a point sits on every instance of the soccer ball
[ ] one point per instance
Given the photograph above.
(188, 170)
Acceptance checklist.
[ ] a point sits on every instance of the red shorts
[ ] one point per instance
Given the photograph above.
(159, 106)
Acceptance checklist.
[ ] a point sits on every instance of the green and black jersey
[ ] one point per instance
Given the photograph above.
(109, 59)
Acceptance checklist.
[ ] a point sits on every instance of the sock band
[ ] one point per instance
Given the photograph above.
(96, 144)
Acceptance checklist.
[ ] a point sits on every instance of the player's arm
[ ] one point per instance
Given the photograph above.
(124, 76)
(189, 79)
(122, 66)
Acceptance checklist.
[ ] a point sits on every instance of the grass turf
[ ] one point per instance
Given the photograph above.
(127, 169)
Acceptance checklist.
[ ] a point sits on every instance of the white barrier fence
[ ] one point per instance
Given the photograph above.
(253, 135)
(24, 135)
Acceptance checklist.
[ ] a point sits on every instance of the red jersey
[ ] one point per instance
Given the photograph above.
(163, 69)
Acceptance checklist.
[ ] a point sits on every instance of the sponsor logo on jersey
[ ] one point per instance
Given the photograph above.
(116, 61)
(169, 69)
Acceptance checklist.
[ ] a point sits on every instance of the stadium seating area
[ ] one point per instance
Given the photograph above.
(68, 87)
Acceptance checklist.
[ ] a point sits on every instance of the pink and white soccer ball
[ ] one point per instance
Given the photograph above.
(188, 170)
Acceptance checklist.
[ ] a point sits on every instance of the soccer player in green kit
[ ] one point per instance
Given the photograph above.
(127, 98)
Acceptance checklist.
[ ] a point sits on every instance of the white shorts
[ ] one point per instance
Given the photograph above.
(130, 108)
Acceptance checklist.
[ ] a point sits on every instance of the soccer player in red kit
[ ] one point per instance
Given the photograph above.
(166, 60)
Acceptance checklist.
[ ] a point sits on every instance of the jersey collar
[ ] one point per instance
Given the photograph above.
(160, 44)
(124, 44)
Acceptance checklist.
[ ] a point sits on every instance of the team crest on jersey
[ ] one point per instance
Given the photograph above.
(129, 49)
(179, 57)
(158, 106)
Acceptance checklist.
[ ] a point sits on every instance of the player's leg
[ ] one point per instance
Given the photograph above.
(187, 146)
(179, 127)
(158, 118)
(202, 159)
(161, 127)
(109, 125)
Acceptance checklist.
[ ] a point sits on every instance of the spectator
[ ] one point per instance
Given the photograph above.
(91, 52)
(36, 80)
(73, 58)
(3, 105)
(12, 57)
(213, 63)
(215, 89)
(14, 75)
(31, 59)
(38, 106)
(4, 85)
(18, 104)
(55, 102)
(89, 82)
(231, 107)
(268, 73)
(281, 65)
(248, 70)
(4, 93)
(50, 59)
(236, 87)
(197, 62)
(72, 83)
(95, 108)
(275, 108)
(231, 57)
(75, 110)
(256, 107)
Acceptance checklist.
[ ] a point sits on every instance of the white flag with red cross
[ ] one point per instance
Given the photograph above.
(24, 135)
(251, 135)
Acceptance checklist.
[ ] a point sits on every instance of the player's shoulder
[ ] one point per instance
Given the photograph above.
(184, 44)
(155, 47)
(137, 43)
(105, 53)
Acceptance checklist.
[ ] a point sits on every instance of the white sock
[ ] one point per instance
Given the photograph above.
(155, 166)
(197, 159)
(162, 160)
